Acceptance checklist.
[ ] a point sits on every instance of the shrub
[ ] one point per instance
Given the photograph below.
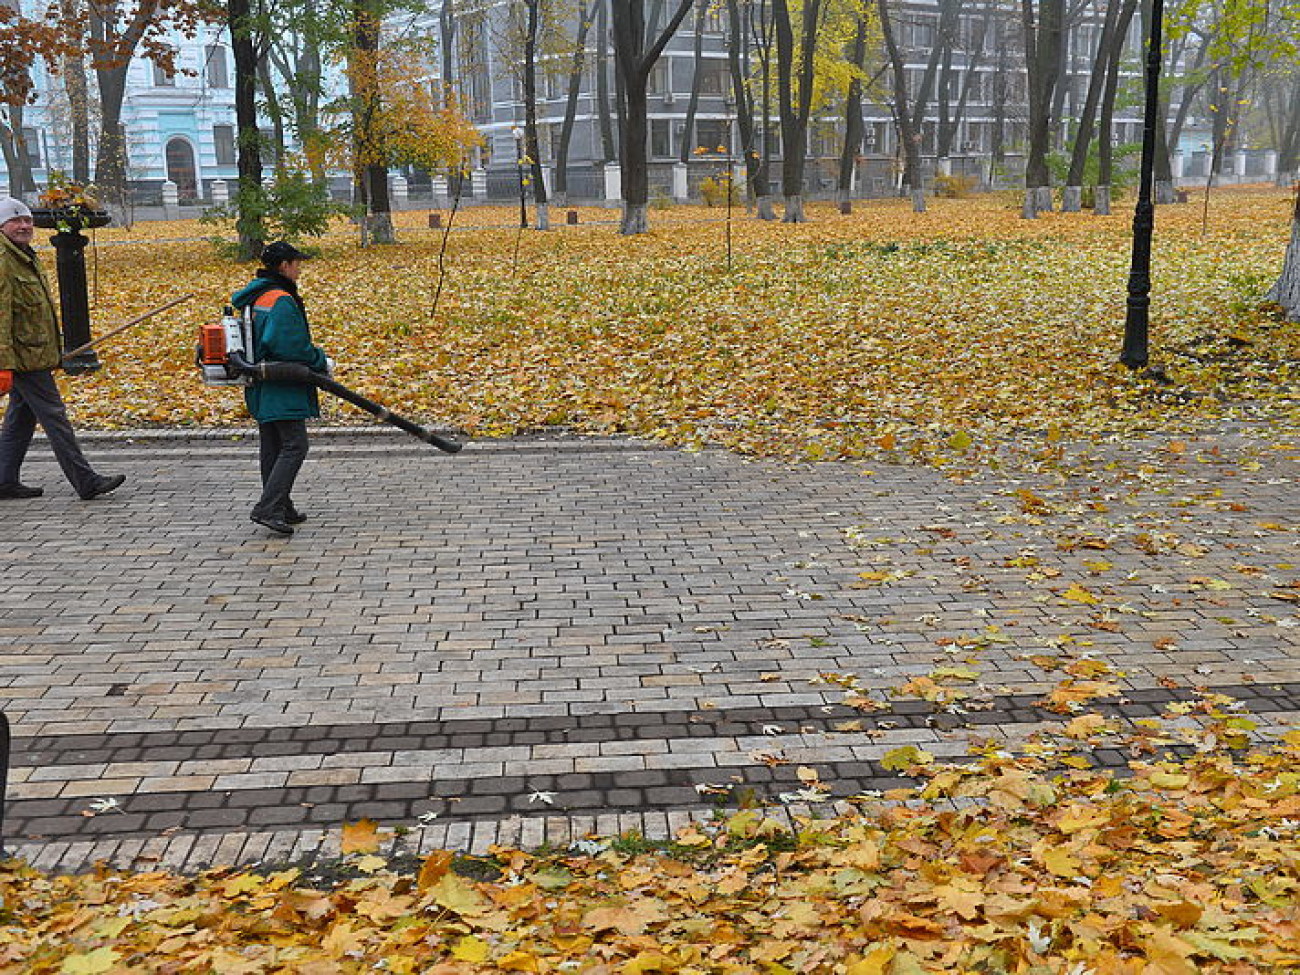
(714, 191)
(956, 186)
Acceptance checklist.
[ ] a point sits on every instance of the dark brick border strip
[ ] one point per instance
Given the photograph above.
(457, 799)
(188, 746)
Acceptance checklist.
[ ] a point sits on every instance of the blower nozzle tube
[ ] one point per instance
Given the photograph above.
(296, 372)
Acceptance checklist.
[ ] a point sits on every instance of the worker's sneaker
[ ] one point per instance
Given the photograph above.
(103, 485)
(16, 490)
(276, 525)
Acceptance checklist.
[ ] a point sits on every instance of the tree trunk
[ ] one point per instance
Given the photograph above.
(533, 147)
(1105, 141)
(693, 103)
(853, 124)
(111, 157)
(17, 162)
(111, 62)
(634, 59)
(1071, 201)
(608, 144)
(571, 104)
(77, 85)
(249, 197)
(909, 140)
(757, 160)
(795, 113)
(372, 172)
(1286, 292)
(1042, 40)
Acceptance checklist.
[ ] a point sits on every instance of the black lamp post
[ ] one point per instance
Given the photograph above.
(520, 157)
(70, 264)
(1135, 352)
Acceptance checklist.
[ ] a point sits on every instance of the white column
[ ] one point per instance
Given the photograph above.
(220, 192)
(478, 183)
(1177, 161)
(401, 190)
(613, 183)
(1241, 162)
(1270, 163)
(439, 189)
(170, 199)
(681, 185)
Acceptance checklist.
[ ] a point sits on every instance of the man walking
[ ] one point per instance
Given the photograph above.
(30, 349)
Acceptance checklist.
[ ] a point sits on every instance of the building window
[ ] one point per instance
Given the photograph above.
(31, 145)
(217, 75)
(713, 77)
(660, 80)
(223, 142)
(711, 134)
(162, 78)
(661, 145)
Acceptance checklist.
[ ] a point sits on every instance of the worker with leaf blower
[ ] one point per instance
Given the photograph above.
(29, 352)
(280, 333)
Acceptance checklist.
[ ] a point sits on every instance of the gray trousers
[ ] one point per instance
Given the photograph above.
(282, 448)
(35, 399)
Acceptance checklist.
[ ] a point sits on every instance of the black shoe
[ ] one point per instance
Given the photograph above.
(103, 485)
(275, 524)
(294, 517)
(16, 490)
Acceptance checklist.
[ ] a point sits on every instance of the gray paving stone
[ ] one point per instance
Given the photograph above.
(641, 583)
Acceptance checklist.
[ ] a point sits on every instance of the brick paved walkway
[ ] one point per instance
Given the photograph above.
(545, 637)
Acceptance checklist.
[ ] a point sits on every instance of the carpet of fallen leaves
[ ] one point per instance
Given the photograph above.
(1001, 864)
(881, 331)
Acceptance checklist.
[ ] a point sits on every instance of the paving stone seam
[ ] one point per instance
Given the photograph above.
(468, 734)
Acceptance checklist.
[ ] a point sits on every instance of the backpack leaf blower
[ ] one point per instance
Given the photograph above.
(223, 360)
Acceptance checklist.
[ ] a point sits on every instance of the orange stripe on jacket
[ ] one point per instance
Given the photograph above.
(268, 298)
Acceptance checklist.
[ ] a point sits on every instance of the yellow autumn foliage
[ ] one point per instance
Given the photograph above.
(883, 331)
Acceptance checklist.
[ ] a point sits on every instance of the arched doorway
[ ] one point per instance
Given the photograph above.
(181, 170)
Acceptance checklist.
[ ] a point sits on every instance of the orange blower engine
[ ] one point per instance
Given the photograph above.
(222, 345)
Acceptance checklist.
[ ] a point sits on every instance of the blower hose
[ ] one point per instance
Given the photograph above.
(296, 372)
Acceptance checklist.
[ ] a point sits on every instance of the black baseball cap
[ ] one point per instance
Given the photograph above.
(280, 251)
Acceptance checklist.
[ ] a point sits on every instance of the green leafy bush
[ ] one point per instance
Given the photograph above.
(290, 208)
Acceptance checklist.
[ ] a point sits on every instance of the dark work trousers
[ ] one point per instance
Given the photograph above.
(35, 399)
(282, 449)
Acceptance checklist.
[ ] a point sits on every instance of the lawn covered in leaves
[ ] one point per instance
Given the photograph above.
(884, 330)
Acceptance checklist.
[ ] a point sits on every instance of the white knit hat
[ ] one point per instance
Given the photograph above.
(11, 208)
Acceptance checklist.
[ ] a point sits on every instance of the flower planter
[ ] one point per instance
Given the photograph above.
(69, 219)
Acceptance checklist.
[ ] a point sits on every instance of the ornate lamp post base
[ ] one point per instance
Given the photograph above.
(70, 263)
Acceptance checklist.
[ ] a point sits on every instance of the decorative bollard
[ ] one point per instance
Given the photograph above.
(571, 217)
(846, 206)
(435, 221)
(70, 265)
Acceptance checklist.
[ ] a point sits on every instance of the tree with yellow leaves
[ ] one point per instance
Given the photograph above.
(396, 115)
